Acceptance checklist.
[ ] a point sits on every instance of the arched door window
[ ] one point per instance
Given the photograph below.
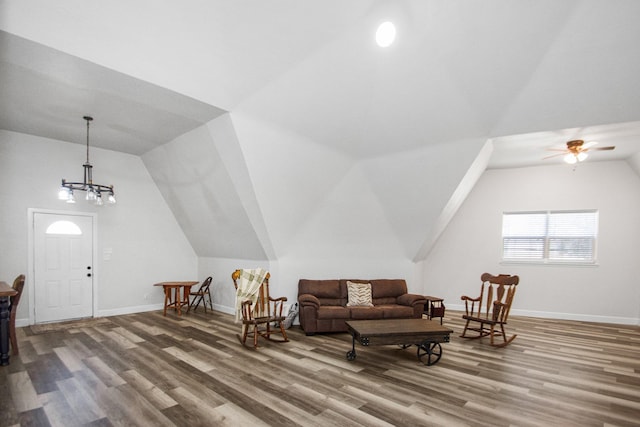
(64, 227)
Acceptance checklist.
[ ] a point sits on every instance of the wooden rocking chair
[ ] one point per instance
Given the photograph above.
(490, 312)
(262, 318)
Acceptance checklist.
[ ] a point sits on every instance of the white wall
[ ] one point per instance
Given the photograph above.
(471, 244)
(146, 243)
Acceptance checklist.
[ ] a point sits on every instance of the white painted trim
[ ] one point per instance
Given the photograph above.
(224, 309)
(129, 310)
(31, 252)
(563, 316)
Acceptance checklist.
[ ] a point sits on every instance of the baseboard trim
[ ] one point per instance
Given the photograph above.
(129, 310)
(565, 316)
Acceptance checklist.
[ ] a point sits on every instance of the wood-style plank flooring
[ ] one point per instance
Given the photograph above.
(148, 370)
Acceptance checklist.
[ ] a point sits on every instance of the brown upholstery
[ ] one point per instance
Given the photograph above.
(323, 303)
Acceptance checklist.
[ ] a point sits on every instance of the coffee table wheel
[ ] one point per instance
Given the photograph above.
(351, 355)
(429, 352)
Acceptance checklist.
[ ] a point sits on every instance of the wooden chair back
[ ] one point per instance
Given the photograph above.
(261, 309)
(18, 285)
(496, 297)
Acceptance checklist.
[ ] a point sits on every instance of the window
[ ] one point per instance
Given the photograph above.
(553, 236)
(63, 227)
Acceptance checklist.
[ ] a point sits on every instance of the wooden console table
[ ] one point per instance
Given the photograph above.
(6, 291)
(175, 301)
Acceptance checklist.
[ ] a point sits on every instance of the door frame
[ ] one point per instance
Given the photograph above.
(31, 255)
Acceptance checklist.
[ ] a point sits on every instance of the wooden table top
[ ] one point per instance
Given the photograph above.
(175, 284)
(6, 290)
(397, 327)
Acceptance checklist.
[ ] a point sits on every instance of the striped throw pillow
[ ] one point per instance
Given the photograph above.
(359, 294)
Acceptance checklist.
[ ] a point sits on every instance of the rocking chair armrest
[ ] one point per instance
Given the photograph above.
(466, 298)
(283, 299)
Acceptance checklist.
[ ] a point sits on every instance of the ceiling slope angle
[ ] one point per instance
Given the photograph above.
(208, 201)
(46, 92)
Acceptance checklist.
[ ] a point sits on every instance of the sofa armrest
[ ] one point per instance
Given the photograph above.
(411, 299)
(309, 300)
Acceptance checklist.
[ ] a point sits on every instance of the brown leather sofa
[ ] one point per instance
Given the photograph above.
(323, 303)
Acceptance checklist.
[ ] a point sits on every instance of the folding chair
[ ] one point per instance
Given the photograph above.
(200, 294)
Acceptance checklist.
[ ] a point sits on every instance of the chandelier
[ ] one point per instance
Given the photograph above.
(94, 191)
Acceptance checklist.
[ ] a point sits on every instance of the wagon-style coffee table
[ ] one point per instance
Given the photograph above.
(426, 334)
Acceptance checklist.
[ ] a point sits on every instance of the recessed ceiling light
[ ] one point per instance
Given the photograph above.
(386, 34)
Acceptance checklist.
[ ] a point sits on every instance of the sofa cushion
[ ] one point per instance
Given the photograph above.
(388, 288)
(360, 313)
(359, 294)
(394, 311)
(333, 312)
(329, 289)
(385, 301)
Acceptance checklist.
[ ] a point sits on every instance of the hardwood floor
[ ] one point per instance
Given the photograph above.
(146, 369)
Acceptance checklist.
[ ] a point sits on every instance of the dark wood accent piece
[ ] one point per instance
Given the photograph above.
(424, 333)
(172, 297)
(259, 318)
(6, 291)
(491, 309)
(434, 307)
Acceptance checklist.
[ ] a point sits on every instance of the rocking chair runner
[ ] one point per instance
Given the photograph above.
(490, 312)
(258, 318)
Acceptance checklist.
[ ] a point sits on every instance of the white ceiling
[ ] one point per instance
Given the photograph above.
(46, 92)
(528, 75)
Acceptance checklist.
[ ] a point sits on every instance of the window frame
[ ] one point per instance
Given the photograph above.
(545, 260)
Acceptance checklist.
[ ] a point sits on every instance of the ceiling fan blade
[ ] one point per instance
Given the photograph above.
(589, 144)
(602, 148)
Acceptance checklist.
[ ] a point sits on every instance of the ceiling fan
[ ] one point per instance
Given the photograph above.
(577, 150)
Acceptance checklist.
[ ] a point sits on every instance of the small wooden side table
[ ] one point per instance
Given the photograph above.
(434, 307)
(175, 301)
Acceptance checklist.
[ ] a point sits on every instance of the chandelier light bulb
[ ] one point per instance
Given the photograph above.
(63, 193)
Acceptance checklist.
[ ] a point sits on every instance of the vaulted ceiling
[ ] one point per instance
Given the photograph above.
(271, 124)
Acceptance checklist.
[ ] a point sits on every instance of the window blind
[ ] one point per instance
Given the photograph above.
(561, 236)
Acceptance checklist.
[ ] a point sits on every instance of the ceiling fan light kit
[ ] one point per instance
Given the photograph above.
(577, 151)
(94, 191)
(572, 158)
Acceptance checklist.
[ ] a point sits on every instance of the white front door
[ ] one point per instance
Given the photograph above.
(63, 267)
